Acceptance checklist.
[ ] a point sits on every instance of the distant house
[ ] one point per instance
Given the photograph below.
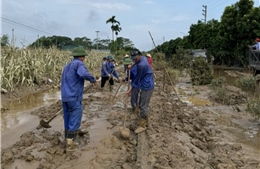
(199, 52)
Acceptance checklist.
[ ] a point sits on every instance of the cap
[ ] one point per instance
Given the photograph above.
(134, 53)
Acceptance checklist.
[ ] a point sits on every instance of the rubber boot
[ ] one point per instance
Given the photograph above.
(142, 126)
(71, 146)
(143, 122)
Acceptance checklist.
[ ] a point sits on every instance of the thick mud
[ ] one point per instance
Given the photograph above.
(194, 132)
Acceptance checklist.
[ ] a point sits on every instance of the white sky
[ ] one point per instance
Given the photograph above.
(165, 19)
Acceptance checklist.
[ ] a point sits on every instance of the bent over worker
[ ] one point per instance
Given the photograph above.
(72, 84)
(107, 73)
(145, 82)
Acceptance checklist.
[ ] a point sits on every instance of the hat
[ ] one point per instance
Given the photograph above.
(126, 55)
(257, 40)
(79, 51)
(127, 61)
(134, 53)
(109, 57)
(148, 55)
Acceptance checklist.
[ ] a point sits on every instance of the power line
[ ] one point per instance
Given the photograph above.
(218, 4)
(23, 25)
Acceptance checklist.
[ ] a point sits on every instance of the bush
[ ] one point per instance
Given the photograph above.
(246, 83)
(218, 82)
(200, 72)
(253, 107)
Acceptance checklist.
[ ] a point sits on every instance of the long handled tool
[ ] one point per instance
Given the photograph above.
(166, 70)
(117, 90)
(125, 132)
(45, 124)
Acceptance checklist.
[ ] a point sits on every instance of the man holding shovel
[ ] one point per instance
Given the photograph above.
(145, 83)
(72, 84)
(107, 73)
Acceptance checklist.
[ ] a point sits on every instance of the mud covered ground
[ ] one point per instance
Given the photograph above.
(193, 132)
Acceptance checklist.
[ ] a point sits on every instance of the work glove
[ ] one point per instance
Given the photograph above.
(109, 75)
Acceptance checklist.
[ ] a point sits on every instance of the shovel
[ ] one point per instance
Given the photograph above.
(45, 124)
(117, 90)
(125, 132)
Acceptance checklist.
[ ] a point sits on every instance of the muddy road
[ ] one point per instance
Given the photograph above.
(194, 132)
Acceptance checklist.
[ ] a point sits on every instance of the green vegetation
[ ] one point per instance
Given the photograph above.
(36, 66)
(227, 40)
(253, 107)
(246, 83)
(200, 72)
(218, 82)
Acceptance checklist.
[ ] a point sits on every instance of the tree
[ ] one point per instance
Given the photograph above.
(84, 41)
(5, 40)
(116, 28)
(124, 43)
(237, 28)
(113, 21)
(48, 42)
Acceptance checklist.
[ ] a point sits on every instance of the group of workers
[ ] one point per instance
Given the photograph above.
(72, 83)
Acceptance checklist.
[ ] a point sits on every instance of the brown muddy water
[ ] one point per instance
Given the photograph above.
(17, 110)
(221, 71)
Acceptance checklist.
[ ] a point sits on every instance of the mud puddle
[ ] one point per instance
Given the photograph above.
(17, 111)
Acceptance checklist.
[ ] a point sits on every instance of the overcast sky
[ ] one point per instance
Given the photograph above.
(165, 19)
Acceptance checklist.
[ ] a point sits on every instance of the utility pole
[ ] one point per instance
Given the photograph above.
(38, 41)
(12, 43)
(97, 39)
(204, 13)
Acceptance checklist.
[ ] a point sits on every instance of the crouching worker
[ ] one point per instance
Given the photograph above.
(72, 85)
(107, 73)
(145, 83)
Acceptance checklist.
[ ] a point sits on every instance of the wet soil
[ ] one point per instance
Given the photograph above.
(194, 132)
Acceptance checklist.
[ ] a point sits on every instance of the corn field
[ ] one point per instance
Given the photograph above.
(27, 67)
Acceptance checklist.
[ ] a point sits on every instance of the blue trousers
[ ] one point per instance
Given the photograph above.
(72, 117)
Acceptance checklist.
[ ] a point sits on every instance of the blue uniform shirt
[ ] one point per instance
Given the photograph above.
(72, 82)
(108, 68)
(144, 75)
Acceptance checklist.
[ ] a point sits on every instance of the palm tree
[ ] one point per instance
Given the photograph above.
(113, 21)
(116, 28)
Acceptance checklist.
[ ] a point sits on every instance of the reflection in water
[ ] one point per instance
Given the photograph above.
(16, 109)
(218, 72)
